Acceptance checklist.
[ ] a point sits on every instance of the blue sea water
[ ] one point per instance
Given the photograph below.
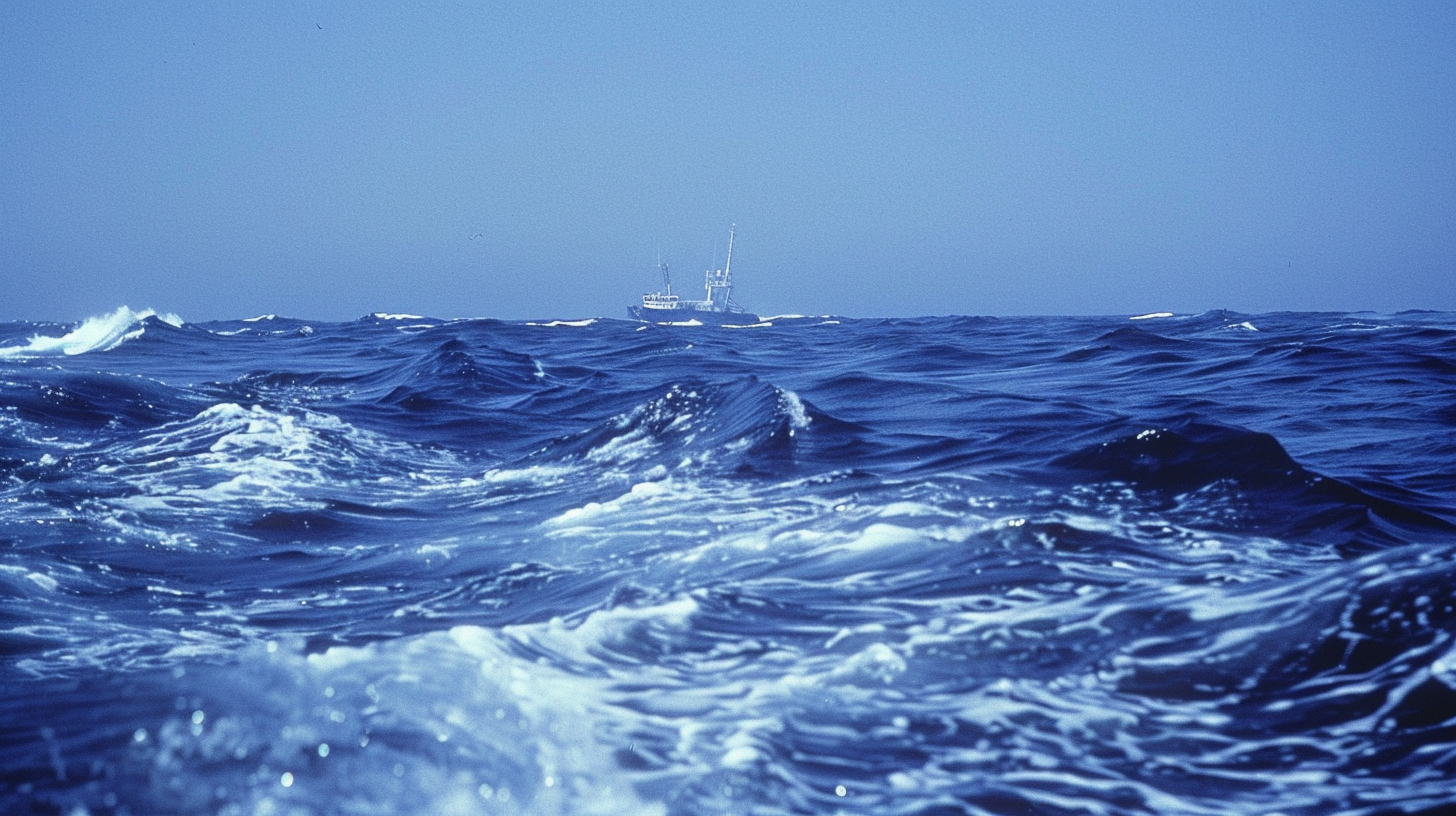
(1191, 564)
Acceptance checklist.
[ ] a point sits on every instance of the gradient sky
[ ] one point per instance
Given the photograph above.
(326, 160)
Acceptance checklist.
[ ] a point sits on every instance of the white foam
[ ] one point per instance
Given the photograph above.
(640, 492)
(231, 454)
(388, 316)
(43, 581)
(628, 447)
(605, 629)
(879, 535)
(540, 475)
(260, 317)
(740, 754)
(574, 323)
(94, 334)
(1443, 668)
(1151, 316)
(877, 663)
(798, 415)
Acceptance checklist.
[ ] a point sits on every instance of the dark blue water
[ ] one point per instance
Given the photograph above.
(1178, 565)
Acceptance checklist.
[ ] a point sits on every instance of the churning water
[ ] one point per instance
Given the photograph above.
(1194, 564)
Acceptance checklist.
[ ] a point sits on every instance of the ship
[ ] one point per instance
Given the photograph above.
(716, 309)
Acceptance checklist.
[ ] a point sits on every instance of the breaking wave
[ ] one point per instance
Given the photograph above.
(94, 334)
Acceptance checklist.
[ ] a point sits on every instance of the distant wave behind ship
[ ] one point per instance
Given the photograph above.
(1173, 564)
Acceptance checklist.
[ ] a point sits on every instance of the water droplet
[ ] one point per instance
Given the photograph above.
(840, 790)
(286, 780)
(323, 749)
(139, 735)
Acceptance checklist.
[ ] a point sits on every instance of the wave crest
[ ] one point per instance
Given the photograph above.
(94, 334)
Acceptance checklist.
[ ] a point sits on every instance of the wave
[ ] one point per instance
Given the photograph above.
(1236, 479)
(264, 324)
(941, 565)
(744, 425)
(344, 729)
(267, 475)
(92, 403)
(1131, 338)
(94, 334)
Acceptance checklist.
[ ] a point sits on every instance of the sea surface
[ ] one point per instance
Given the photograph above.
(1175, 564)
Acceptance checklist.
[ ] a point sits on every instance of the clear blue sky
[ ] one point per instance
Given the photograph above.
(325, 160)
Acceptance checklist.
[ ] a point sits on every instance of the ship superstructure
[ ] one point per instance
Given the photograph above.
(716, 308)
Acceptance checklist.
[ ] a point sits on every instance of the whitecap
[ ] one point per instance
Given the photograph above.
(573, 323)
(94, 334)
(794, 407)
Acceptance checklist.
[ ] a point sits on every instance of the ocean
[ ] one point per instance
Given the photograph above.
(1174, 564)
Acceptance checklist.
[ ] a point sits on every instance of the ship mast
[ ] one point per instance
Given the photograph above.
(666, 278)
(728, 264)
